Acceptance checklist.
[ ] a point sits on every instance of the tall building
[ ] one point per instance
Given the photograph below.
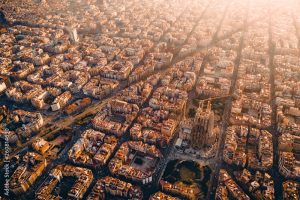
(203, 134)
(73, 35)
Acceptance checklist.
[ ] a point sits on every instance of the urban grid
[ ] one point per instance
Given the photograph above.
(150, 99)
